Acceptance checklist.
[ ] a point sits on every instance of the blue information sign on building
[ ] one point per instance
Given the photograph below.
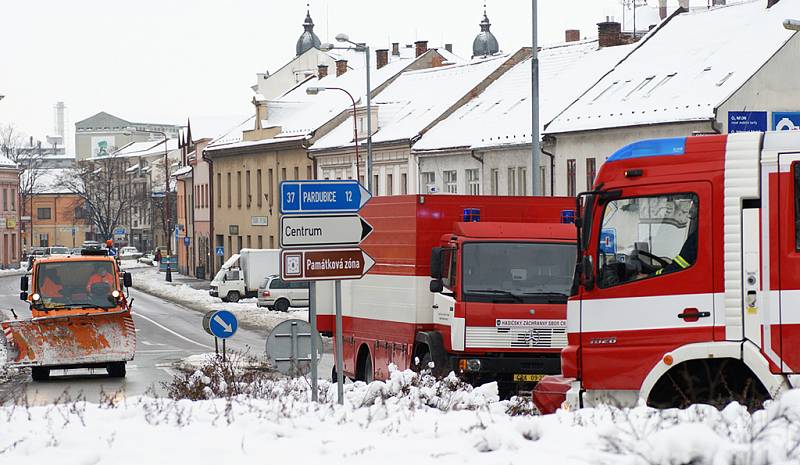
(785, 120)
(340, 196)
(747, 121)
(219, 251)
(223, 324)
(186, 241)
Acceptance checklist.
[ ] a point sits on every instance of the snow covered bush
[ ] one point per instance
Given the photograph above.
(238, 375)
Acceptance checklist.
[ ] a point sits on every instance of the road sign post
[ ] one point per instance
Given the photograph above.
(320, 221)
(221, 324)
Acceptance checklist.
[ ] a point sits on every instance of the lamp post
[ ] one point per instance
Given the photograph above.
(360, 47)
(167, 218)
(317, 90)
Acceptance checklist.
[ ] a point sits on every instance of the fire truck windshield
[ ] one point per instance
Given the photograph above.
(523, 272)
(75, 284)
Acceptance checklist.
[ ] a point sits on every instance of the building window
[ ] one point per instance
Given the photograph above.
(404, 183)
(591, 172)
(473, 182)
(309, 172)
(247, 190)
(571, 188)
(512, 181)
(258, 189)
(260, 242)
(522, 185)
(389, 184)
(283, 174)
(219, 190)
(428, 182)
(249, 242)
(376, 186)
(43, 213)
(270, 186)
(229, 190)
(230, 246)
(271, 242)
(239, 189)
(296, 172)
(44, 240)
(14, 246)
(5, 199)
(13, 200)
(494, 181)
(238, 244)
(450, 181)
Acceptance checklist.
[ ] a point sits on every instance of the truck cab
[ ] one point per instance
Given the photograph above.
(500, 299)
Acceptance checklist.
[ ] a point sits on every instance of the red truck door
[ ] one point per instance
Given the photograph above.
(788, 263)
(653, 254)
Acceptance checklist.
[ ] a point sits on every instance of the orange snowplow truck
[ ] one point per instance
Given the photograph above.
(81, 317)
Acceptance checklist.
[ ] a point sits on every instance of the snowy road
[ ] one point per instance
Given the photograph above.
(166, 333)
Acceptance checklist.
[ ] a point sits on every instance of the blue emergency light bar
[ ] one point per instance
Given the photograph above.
(472, 215)
(567, 216)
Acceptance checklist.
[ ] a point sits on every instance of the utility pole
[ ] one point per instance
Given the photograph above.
(536, 188)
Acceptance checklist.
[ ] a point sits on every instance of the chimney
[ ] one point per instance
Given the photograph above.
(382, 57)
(771, 3)
(572, 35)
(322, 71)
(422, 47)
(448, 47)
(662, 9)
(396, 49)
(341, 67)
(609, 33)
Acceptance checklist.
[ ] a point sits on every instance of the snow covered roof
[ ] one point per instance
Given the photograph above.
(299, 114)
(183, 170)
(6, 162)
(50, 180)
(684, 69)
(501, 115)
(415, 100)
(144, 149)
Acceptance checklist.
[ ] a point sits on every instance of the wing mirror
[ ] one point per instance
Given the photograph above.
(23, 283)
(587, 273)
(23, 295)
(436, 263)
(436, 286)
(127, 279)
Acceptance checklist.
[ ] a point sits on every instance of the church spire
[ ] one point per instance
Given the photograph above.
(308, 39)
(485, 42)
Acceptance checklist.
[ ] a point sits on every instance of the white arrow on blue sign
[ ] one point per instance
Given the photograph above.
(339, 196)
(223, 324)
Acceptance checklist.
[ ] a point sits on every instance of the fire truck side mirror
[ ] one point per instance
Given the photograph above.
(436, 286)
(23, 295)
(127, 279)
(587, 273)
(23, 283)
(436, 262)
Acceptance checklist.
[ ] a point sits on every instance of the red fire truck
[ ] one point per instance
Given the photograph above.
(688, 283)
(502, 268)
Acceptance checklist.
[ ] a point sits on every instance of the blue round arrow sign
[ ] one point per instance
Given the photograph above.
(223, 324)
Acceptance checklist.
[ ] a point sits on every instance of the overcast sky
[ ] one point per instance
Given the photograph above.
(164, 60)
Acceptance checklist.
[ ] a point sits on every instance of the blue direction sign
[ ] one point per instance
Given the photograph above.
(339, 196)
(186, 241)
(222, 324)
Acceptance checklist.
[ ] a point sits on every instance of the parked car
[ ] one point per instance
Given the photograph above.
(58, 250)
(147, 258)
(129, 253)
(277, 294)
(75, 251)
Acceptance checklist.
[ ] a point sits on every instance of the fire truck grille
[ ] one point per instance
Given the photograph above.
(515, 338)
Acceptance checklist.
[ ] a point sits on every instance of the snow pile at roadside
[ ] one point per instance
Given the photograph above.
(246, 310)
(132, 265)
(393, 422)
(14, 271)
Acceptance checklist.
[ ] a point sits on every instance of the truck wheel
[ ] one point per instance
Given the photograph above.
(40, 373)
(116, 370)
(282, 305)
(233, 296)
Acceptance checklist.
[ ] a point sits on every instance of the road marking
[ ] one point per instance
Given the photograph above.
(159, 351)
(172, 332)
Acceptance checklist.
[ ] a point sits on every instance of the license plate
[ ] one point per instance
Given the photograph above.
(528, 377)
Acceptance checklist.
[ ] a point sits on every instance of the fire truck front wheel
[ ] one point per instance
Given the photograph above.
(40, 373)
(716, 382)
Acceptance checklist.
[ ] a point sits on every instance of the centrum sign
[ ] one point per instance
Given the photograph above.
(324, 264)
(323, 230)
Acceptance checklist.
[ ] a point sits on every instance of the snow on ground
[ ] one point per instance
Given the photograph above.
(395, 422)
(132, 265)
(14, 271)
(247, 312)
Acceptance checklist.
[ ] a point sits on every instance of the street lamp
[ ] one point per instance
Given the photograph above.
(317, 90)
(167, 218)
(359, 47)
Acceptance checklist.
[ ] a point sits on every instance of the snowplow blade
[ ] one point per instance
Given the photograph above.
(70, 340)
